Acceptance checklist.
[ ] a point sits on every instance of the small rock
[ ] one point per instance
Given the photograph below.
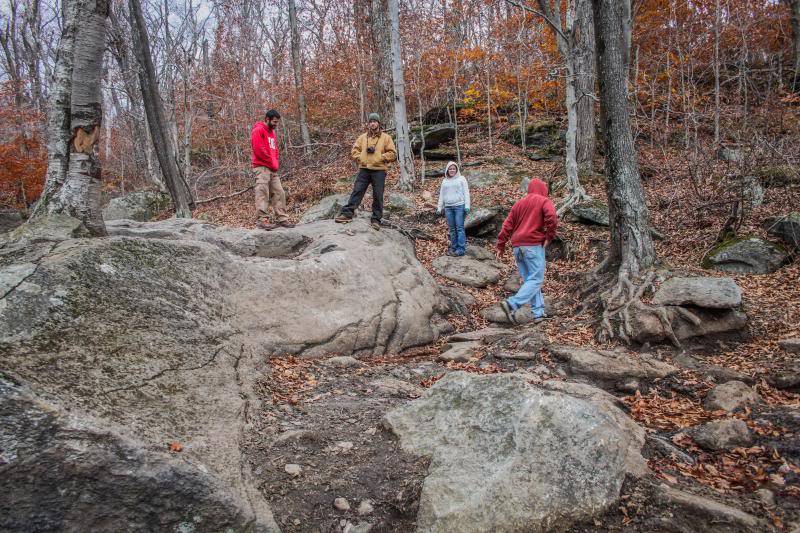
(721, 434)
(461, 352)
(486, 335)
(345, 446)
(786, 228)
(731, 396)
(296, 521)
(479, 253)
(731, 155)
(343, 361)
(293, 469)
(766, 496)
(341, 504)
(720, 374)
(669, 450)
(628, 385)
(397, 387)
(296, 435)
(365, 507)
(427, 196)
(786, 379)
(466, 271)
(697, 513)
(541, 369)
(790, 345)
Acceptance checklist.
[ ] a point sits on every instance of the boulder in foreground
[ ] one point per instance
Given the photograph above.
(510, 456)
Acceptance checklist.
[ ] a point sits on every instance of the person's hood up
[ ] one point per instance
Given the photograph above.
(447, 169)
(537, 186)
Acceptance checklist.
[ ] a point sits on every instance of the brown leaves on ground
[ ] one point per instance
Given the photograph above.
(290, 379)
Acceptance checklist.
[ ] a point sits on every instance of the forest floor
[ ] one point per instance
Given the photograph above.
(335, 412)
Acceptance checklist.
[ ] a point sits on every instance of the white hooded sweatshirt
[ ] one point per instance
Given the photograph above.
(454, 190)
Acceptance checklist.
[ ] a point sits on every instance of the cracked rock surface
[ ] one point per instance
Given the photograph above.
(159, 329)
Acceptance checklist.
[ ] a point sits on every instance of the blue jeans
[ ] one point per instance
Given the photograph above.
(455, 221)
(530, 262)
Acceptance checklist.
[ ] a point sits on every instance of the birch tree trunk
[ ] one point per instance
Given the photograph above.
(297, 66)
(382, 61)
(631, 248)
(154, 109)
(75, 118)
(399, 85)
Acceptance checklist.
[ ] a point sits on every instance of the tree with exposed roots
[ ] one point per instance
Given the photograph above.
(75, 114)
(626, 274)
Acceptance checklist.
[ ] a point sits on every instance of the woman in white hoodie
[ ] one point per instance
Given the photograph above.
(454, 200)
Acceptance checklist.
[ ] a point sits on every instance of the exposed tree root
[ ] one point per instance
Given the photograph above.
(619, 297)
(575, 197)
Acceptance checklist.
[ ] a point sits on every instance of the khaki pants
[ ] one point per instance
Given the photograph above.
(269, 192)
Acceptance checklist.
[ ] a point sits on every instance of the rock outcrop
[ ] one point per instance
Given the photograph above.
(140, 206)
(160, 328)
(510, 456)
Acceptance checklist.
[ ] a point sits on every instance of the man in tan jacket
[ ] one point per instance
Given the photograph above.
(373, 151)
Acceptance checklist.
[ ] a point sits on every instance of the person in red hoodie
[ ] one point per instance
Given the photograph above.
(265, 162)
(530, 225)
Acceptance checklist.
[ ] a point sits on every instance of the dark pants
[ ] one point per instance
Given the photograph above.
(365, 178)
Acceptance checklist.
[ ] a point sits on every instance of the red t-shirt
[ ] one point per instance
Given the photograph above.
(265, 147)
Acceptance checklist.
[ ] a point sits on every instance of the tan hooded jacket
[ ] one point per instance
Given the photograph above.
(384, 153)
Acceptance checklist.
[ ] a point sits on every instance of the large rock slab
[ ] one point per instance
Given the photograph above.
(140, 206)
(163, 335)
(786, 228)
(510, 456)
(63, 471)
(606, 365)
(747, 255)
(466, 271)
(713, 293)
(325, 209)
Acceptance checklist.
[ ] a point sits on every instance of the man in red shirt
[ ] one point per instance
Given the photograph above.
(530, 225)
(265, 162)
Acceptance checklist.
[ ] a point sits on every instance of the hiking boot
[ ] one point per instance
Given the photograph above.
(508, 311)
(285, 224)
(540, 319)
(450, 253)
(375, 225)
(343, 219)
(266, 226)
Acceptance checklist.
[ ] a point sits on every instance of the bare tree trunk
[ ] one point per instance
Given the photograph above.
(717, 16)
(631, 248)
(162, 142)
(297, 66)
(399, 85)
(382, 61)
(795, 7)
(75, 121)
(585, 79)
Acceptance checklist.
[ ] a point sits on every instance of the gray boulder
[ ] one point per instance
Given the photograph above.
(542, 136)
(467, 271)
(460, 352)
(786, 228)
(441, 154)
(609, 366)
(434, 136)
(325, 209)
(141, 206)
(483, 221)
(459, 299)
(721, 434)
(746, 255)
(692, 512)
(398, 202)
(510, 456)
(646, 325)
(713, 293)
(64, 471)
(592, 212)
(731, 396)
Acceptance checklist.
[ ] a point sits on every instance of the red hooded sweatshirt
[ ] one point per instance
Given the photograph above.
(532, 220)
(265, 147)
